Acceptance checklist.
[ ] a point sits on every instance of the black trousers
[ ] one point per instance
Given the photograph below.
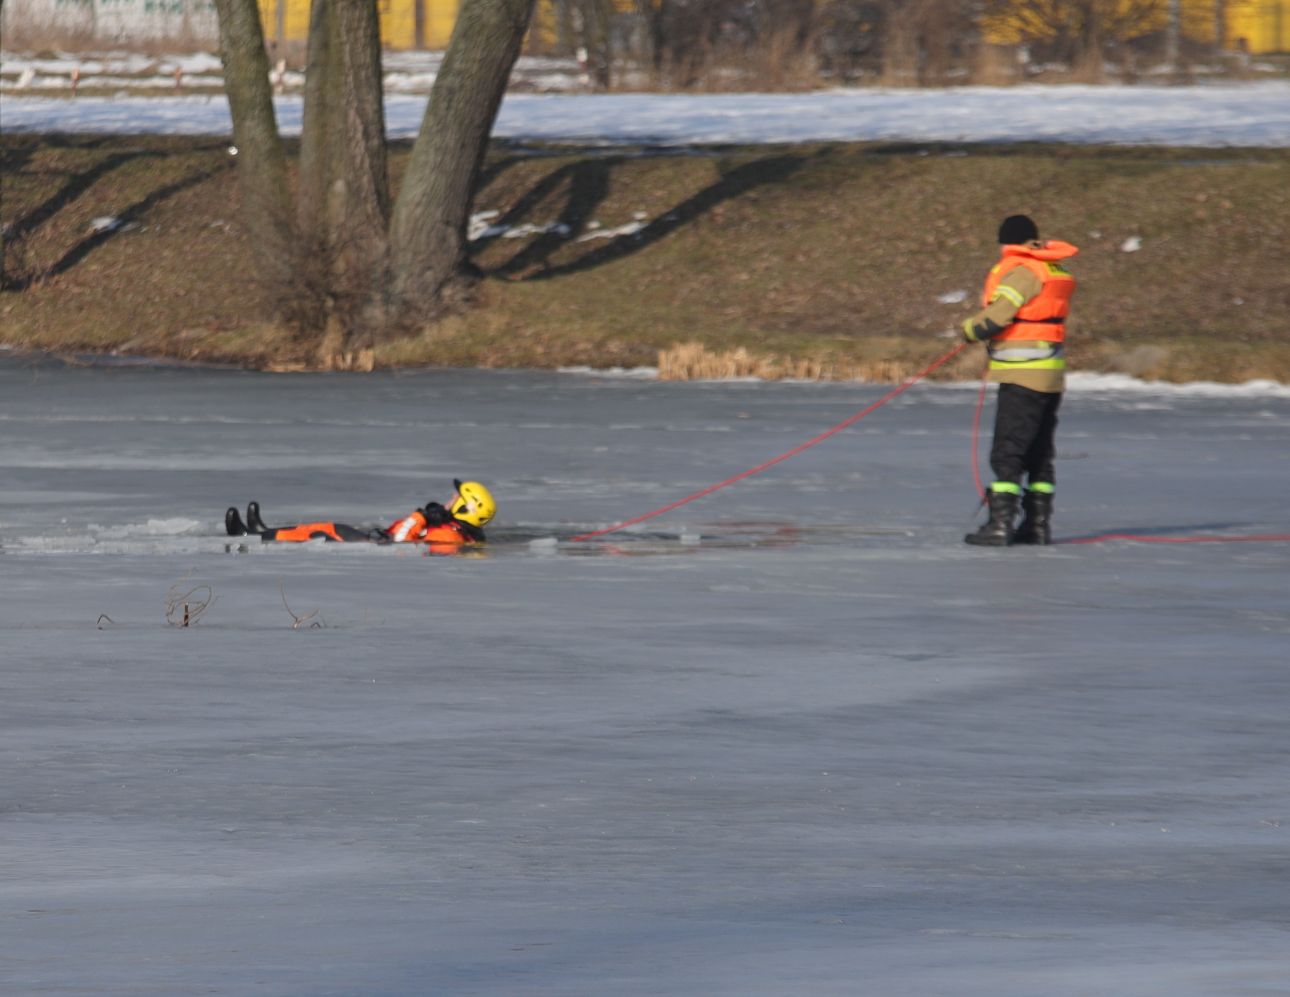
(1024, 424)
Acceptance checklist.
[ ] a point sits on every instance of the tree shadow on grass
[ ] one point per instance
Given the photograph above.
(131, 214)
(71, 190)
(588, 185)
(494, 168)
(75, 185)
(18, 157)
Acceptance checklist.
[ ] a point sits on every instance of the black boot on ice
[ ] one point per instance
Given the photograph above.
(997, 531)
(233, 523)
(1036, 513)
(253, 521)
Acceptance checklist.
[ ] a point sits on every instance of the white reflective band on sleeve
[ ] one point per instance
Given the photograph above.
(1012, 354)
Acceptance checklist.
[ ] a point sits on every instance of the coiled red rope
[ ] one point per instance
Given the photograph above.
(900, 389)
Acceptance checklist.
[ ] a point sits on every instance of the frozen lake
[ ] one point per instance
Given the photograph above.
(792, 738)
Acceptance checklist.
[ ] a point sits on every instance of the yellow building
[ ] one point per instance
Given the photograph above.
(1255, 26)
(404, 23)
(1264, 25)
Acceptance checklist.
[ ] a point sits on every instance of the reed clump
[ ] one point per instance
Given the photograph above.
(696, 362)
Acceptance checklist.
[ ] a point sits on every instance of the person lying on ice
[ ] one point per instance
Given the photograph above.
(461, 521)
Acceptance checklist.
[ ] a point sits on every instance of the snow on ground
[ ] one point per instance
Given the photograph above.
(404, 72)
(793, 738)
(1255, 114)
(134, 66)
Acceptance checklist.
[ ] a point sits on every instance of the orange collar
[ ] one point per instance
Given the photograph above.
(1049, 249)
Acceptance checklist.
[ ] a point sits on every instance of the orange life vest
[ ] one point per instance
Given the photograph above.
(1042, 318)
(413, 528)
(446, 533)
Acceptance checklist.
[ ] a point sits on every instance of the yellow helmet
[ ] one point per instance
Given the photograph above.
(473, 503)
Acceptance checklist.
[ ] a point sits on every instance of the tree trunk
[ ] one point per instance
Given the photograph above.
(261, 162)
(1090, 56)
(315, 160)
(900, 47)
(344, 203)
(1173, 37)
(654, 15)
(937, 41)
(596, 15)
(428, 233)
(360, 210)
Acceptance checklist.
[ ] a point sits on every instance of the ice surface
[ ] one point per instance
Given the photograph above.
(793, 738)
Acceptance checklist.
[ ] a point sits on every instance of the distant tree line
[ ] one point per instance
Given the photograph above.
(728, 44)
(719, 44)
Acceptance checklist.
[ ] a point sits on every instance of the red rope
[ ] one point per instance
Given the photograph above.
(894, 392)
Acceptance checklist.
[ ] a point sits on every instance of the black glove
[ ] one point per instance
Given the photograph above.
(436, 514)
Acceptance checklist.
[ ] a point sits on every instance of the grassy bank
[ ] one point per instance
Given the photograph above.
(827, 260)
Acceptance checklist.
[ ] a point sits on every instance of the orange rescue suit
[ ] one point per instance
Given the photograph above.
(410, 529)
(307, 531)
(1042, 318)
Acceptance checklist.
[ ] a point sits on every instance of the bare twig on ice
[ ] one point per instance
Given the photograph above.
(184, 607)
(301, 621)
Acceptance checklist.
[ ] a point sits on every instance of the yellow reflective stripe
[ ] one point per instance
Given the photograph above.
(1005, 487)
(1051, 363)
(1012, 294)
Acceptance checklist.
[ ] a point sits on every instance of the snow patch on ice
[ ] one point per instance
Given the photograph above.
(1089, 383)
(636, 373)
(177, 526)
(1075, 382)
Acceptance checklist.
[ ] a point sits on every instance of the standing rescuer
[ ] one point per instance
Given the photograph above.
(1023, 324)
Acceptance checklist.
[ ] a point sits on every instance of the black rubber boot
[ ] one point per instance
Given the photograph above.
(997, 531)
(1036, 522)
(233, 523)
(253, 521)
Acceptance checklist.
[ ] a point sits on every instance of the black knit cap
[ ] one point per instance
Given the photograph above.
(1017, 229)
